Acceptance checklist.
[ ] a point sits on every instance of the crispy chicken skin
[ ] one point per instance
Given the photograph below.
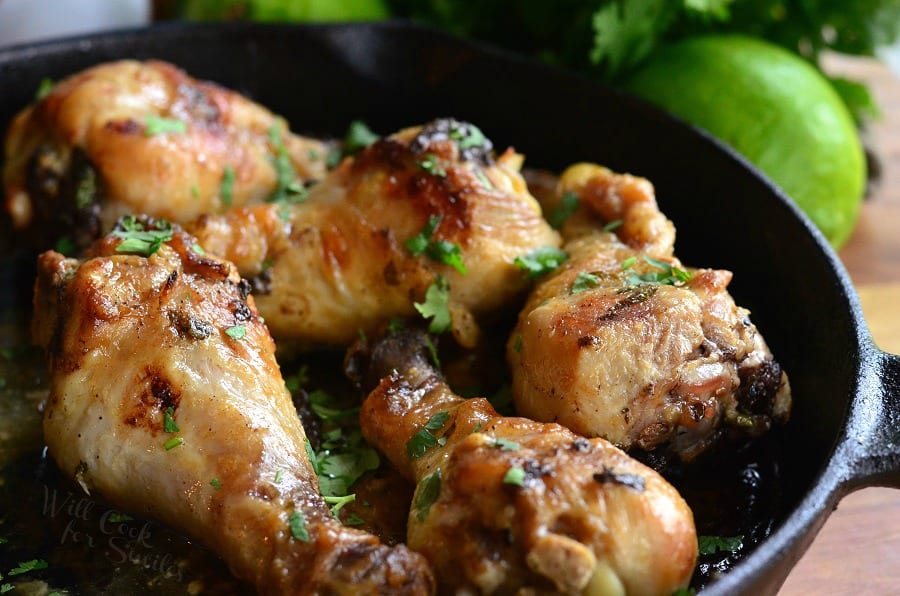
(640, 364)
(581, 517)
(88, 152)
(338, 262)
(129, 339)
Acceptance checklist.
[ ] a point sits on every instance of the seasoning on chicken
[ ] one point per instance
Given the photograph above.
(426, 212)
(143, 137)
(506, 504)
(166, 399)
(623, 342)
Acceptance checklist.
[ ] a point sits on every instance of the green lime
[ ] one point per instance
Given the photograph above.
(772, 107)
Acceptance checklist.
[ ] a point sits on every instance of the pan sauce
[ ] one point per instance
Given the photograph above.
(91, 548)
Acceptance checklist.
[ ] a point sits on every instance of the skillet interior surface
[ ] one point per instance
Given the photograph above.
(393, 75)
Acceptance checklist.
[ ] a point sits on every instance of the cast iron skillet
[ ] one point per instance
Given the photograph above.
(845, 428)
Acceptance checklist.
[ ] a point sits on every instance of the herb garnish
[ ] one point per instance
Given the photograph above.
(584, 281)
(226, 187)
(338, 502)
(667, 274)
(297, 524)
(173, 443)
(288, 190)
(441, 251)
(169, 421)
(515, 476)
(4, 588)
(427, 492)
(236, 332)
(541, 261)
(156, 125)
(322, 405)
(468, 136)
(198, 249)
(44, 88)
(27, 566)
(215, 483)
(278, 476)
(712, 544)
(485, 181)
(505, 445)
(140, 240)
(567, 206)
(424, 439)
(430, 164)
(613, 225)
(436, 306)
(358, 137)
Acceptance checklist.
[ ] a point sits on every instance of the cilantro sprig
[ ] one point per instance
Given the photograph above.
(441, 251)
(436, 306)
(712, 544)
(140, 239)
(541, 261)
(666, 273)
(425, 439)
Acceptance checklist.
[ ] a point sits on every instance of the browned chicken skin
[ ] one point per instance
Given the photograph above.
(507, 504)
(625, 357)
(166, 399)
(142, 137)
(338, 262)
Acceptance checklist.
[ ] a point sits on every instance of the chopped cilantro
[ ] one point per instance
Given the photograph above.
(427, 492)
(518, 344)
(334, 157)
(358, 137)
(44, 88)
(27, 566)
(278, 476)
(432, 352)
(505, 445)
(288, 189)
(712, 544)
(226, 187)
(395, 325)
(515, 476)
(584, 281)
(155, 125)
(468, 136)
(311, 454)
(6, 588)
(215, 483)
(198, 249)
(3, 540)
(485, 181)
(424, 439)
(236, 332)
(354, 520)
(362, 335)
(65, 246)
(541, 261)
(118, 517)
(613, 225)
(322, 405)
(343, 461)
(430, 164)
(564, 210)
(684, 592)
(338, 502)
(195, 191)
(436, 306)
(141, 240)
(173, 443)
(297, 524)
(313, 155)
(169, 421)
(667, 274)
(295, 382)
(441, 251)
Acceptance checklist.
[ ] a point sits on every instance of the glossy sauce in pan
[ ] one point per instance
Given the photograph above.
(91, 548)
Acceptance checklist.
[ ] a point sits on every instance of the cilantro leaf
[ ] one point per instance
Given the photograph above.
(27, 566)
(442, 251)
(419, 243)
(297, 524)
(625, 32)
(432, 165)
(358, 137)
(666, 273)
(424, 439)
(584, 281)
(567, 206)
(505, 444)
(712, 544)
(427, 492)
(323, 406)
(169, 425)
(226, 187)
(156, 125)
(436, 306)
(288, 189)
(173, 443)
(140, 240)
(514, 476)
(215, 483)
(44, 88)
(541, 261)
(236, 332)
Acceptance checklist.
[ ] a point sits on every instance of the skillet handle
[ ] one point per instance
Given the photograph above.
(877, 461)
